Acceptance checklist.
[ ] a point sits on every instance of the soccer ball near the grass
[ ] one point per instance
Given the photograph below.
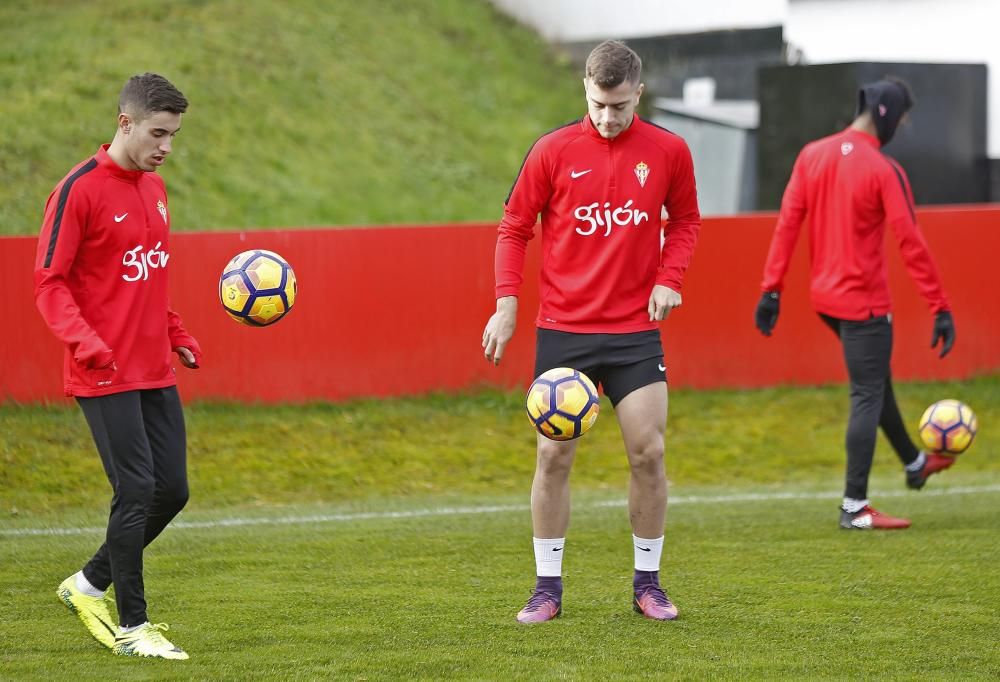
(948, 427)
(562, 404)
(257, 288)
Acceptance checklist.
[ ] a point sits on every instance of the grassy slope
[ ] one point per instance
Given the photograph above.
(302, 112)
(477, 445)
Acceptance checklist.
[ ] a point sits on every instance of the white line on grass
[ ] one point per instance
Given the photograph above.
(456, 511)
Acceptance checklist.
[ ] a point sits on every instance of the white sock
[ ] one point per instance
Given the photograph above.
(548, 556)
(918, 463)
(130, 628)
(647, 553)
(853, 506)
(84, 586)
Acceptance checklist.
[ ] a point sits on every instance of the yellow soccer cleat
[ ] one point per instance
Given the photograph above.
(147, 640)
(93, 611)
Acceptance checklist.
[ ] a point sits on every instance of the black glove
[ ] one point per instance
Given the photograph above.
(944, 329)
(767, 312)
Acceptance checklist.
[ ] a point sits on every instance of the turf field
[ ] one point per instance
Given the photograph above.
(397, 546)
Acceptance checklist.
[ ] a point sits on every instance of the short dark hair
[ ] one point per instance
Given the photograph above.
(150, 93)
(612, 63)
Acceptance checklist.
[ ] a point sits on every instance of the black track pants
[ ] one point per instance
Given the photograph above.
(141, 438)
(867, 351)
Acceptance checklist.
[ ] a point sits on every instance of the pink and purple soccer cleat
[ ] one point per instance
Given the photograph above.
(652, 602)
(542, 606)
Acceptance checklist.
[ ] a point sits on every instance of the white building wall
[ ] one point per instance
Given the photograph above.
(825, 31)
(577, 20)
(944, 31)
(719, 156)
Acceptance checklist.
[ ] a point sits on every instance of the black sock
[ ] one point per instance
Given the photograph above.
(549, 584)
(644, 579)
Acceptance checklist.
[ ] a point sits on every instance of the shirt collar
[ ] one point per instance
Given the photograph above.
(590, 130)
(862, 136)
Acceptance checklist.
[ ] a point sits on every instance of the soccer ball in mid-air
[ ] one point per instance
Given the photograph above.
(257, 288)
(562, 404)
(948, 427)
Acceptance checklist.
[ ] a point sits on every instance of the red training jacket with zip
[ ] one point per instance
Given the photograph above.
(101, 279)
(850, 191)
(601, 202)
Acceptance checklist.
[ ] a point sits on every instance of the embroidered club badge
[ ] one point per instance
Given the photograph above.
(641, 173)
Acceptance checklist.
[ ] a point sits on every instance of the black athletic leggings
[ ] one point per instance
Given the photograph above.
(867, 352)
(141, 438)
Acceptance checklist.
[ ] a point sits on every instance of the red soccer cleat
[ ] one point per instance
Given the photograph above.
(869, 519)
(934, 463)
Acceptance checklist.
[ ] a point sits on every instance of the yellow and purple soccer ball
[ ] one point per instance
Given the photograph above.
(562, 404)
(948, 427)
(257, 288)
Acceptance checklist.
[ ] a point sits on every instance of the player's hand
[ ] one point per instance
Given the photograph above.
(186, 357)
(661, 301)
(90, 357)
(944, 330)
(766, 315)
(500, 329)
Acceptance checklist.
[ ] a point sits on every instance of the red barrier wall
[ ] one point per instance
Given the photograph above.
(400, 310)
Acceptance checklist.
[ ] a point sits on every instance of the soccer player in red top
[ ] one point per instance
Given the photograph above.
(851, 191)
(101, 287)
(607, 281)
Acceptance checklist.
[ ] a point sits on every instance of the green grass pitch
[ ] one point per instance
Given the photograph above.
(400, 548)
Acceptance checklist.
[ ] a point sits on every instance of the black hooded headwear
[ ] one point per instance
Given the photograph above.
(887, 101)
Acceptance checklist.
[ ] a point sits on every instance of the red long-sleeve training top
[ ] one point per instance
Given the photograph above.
(850, 192)
(600, 201)
(101, 279)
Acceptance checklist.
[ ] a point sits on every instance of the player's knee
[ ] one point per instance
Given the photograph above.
(174, 497)
(554, 460)
(138, 492)
(869, 393)
(648, 458)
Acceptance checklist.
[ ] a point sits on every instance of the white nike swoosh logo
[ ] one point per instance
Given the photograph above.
(575, 175)
(119, 218)
(662, 368)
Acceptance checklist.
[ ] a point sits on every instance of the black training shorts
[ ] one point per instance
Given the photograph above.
(617, 363)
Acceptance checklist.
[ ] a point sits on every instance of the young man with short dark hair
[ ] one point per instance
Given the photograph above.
(101, 287)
